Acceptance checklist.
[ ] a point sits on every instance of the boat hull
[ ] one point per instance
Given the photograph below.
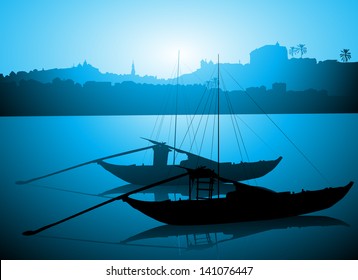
(239, 207)
(148, 174)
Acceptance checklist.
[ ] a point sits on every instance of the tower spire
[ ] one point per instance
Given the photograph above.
(133, 69)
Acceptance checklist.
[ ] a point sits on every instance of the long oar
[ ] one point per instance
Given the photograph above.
(32, 232)
(82, 164)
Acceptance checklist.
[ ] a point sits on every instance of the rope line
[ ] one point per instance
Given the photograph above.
(282, 132)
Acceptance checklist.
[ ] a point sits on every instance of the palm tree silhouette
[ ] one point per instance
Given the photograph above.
(293, 51)
(345, 55)
(302, 49)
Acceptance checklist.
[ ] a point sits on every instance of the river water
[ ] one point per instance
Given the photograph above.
(318, 151)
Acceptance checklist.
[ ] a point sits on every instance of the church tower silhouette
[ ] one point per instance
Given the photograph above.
(133, 69)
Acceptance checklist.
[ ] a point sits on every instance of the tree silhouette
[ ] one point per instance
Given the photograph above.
(293, 51)
(302, 49)
(345, 55)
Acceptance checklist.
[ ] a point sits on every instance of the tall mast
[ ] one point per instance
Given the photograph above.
(218, 126)
(176, 110)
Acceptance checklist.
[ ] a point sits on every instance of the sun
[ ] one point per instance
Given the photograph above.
(185, 54)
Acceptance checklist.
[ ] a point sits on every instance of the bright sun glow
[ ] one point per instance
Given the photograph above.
(152, 33)
(187, 54)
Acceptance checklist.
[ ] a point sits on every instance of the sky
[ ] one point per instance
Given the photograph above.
(110, 34)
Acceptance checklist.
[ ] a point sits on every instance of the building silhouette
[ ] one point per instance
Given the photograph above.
(269, 55)
(133, 69)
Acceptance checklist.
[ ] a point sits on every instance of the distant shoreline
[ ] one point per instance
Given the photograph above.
(136, 100)
(273, 84)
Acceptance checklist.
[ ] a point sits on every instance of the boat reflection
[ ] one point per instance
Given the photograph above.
(206, 236)
(198, 238)
(162, 193)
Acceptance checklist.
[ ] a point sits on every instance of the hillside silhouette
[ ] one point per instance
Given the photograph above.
(270, 83)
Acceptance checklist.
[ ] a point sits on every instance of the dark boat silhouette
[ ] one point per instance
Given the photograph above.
(246, 203)
(147, 174)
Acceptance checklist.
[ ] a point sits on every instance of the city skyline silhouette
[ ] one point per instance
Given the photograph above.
(112, 35)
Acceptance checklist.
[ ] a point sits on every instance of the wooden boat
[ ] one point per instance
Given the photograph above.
(246, 203)
(147, 174)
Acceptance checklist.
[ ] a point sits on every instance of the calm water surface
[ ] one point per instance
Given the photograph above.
(34, 146)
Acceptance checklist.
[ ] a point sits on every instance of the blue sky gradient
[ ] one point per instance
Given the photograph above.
(110, 34)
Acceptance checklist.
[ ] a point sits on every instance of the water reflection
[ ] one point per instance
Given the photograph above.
(209, 236)
(206, 236)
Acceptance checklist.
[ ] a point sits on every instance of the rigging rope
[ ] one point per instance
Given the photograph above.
(200, 120)
(282, 132)
(206, 124)
(231, 111)
(157, 129)
(194, 115)
(213, 133)
(237, 131)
